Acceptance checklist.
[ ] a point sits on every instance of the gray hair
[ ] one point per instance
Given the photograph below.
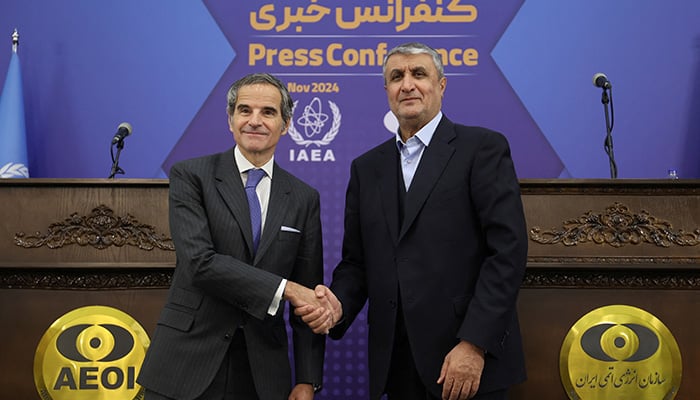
(416, 48)
(286, 105)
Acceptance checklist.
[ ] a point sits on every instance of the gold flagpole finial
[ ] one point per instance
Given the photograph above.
(15, 40)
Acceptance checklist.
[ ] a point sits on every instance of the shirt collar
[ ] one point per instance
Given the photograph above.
(244, 165)
(425, 134)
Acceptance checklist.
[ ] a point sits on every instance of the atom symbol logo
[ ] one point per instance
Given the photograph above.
(313, 119)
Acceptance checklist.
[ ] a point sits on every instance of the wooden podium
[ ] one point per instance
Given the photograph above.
(65, 244)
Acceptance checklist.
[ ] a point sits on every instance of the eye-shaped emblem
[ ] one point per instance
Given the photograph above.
(86, 342)
(619, 342)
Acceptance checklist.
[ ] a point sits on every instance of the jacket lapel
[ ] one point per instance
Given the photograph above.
(277, 208)
(432, 164)
(230, 187)
(387, 174)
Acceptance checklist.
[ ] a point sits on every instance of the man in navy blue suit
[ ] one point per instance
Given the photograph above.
(435, 240)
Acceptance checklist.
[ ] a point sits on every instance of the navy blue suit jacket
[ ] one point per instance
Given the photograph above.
(455, 263)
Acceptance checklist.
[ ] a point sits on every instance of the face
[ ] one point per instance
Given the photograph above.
(413, 89)
(257, 123)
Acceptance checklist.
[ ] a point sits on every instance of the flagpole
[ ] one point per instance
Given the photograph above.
(14, 162)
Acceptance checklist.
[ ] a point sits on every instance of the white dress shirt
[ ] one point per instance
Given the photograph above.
(411, 151)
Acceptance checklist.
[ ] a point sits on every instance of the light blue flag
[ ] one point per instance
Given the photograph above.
(13, 138)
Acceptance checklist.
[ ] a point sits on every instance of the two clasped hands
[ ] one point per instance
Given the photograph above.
(318, 308)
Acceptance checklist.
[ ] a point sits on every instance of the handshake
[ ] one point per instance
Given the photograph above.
(319, 308)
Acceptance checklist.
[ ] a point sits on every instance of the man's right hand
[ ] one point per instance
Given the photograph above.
(321, 309)
(318, 319)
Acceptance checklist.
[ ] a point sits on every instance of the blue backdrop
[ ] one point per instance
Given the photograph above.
(164, 66)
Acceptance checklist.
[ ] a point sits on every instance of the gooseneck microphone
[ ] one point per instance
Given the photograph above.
(601, 80)
(123, 130)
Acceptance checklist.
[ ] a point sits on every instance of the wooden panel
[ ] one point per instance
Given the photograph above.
(546, 315)
(38, 285)
(30, 206)
(26, 314)
(549, 204)
(563, 282)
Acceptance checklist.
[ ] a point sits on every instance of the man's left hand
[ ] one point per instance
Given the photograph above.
(461, 372)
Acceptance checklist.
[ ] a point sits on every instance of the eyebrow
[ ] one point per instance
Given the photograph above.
(413, 70)
(419, 68)
(266, 108)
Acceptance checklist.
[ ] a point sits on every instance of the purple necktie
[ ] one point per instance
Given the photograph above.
(254, 177)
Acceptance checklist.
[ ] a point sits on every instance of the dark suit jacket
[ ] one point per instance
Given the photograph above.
(218, 286)
(455, 264)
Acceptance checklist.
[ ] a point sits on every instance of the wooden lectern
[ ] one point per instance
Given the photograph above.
(595, 243)
(67, 243)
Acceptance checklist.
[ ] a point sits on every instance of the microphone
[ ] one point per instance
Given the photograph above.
(601, 80)
(123, 131)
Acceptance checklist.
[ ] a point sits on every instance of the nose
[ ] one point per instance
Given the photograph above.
(407, 84)
(255, 119)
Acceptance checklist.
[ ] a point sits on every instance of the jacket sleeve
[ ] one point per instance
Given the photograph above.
(495, 192)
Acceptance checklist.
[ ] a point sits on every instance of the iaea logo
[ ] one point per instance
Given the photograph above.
(314, 122)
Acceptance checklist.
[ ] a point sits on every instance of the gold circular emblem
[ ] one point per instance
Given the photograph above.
(620, 352)
(92, 352)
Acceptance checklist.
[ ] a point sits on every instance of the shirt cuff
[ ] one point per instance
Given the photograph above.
(277, 300)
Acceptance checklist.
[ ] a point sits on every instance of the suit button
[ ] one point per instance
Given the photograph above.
(392, 303)
(227, 336)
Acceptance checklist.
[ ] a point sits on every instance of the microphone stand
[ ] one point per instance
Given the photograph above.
(609, 121)
(116, 169)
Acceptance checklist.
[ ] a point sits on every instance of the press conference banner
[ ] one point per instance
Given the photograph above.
(330, 55)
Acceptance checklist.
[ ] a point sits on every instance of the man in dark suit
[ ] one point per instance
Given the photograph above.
(435, 239)
(221, 334)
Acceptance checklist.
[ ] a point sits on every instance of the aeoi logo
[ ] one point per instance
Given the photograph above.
(91, 352)
(620, 352)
